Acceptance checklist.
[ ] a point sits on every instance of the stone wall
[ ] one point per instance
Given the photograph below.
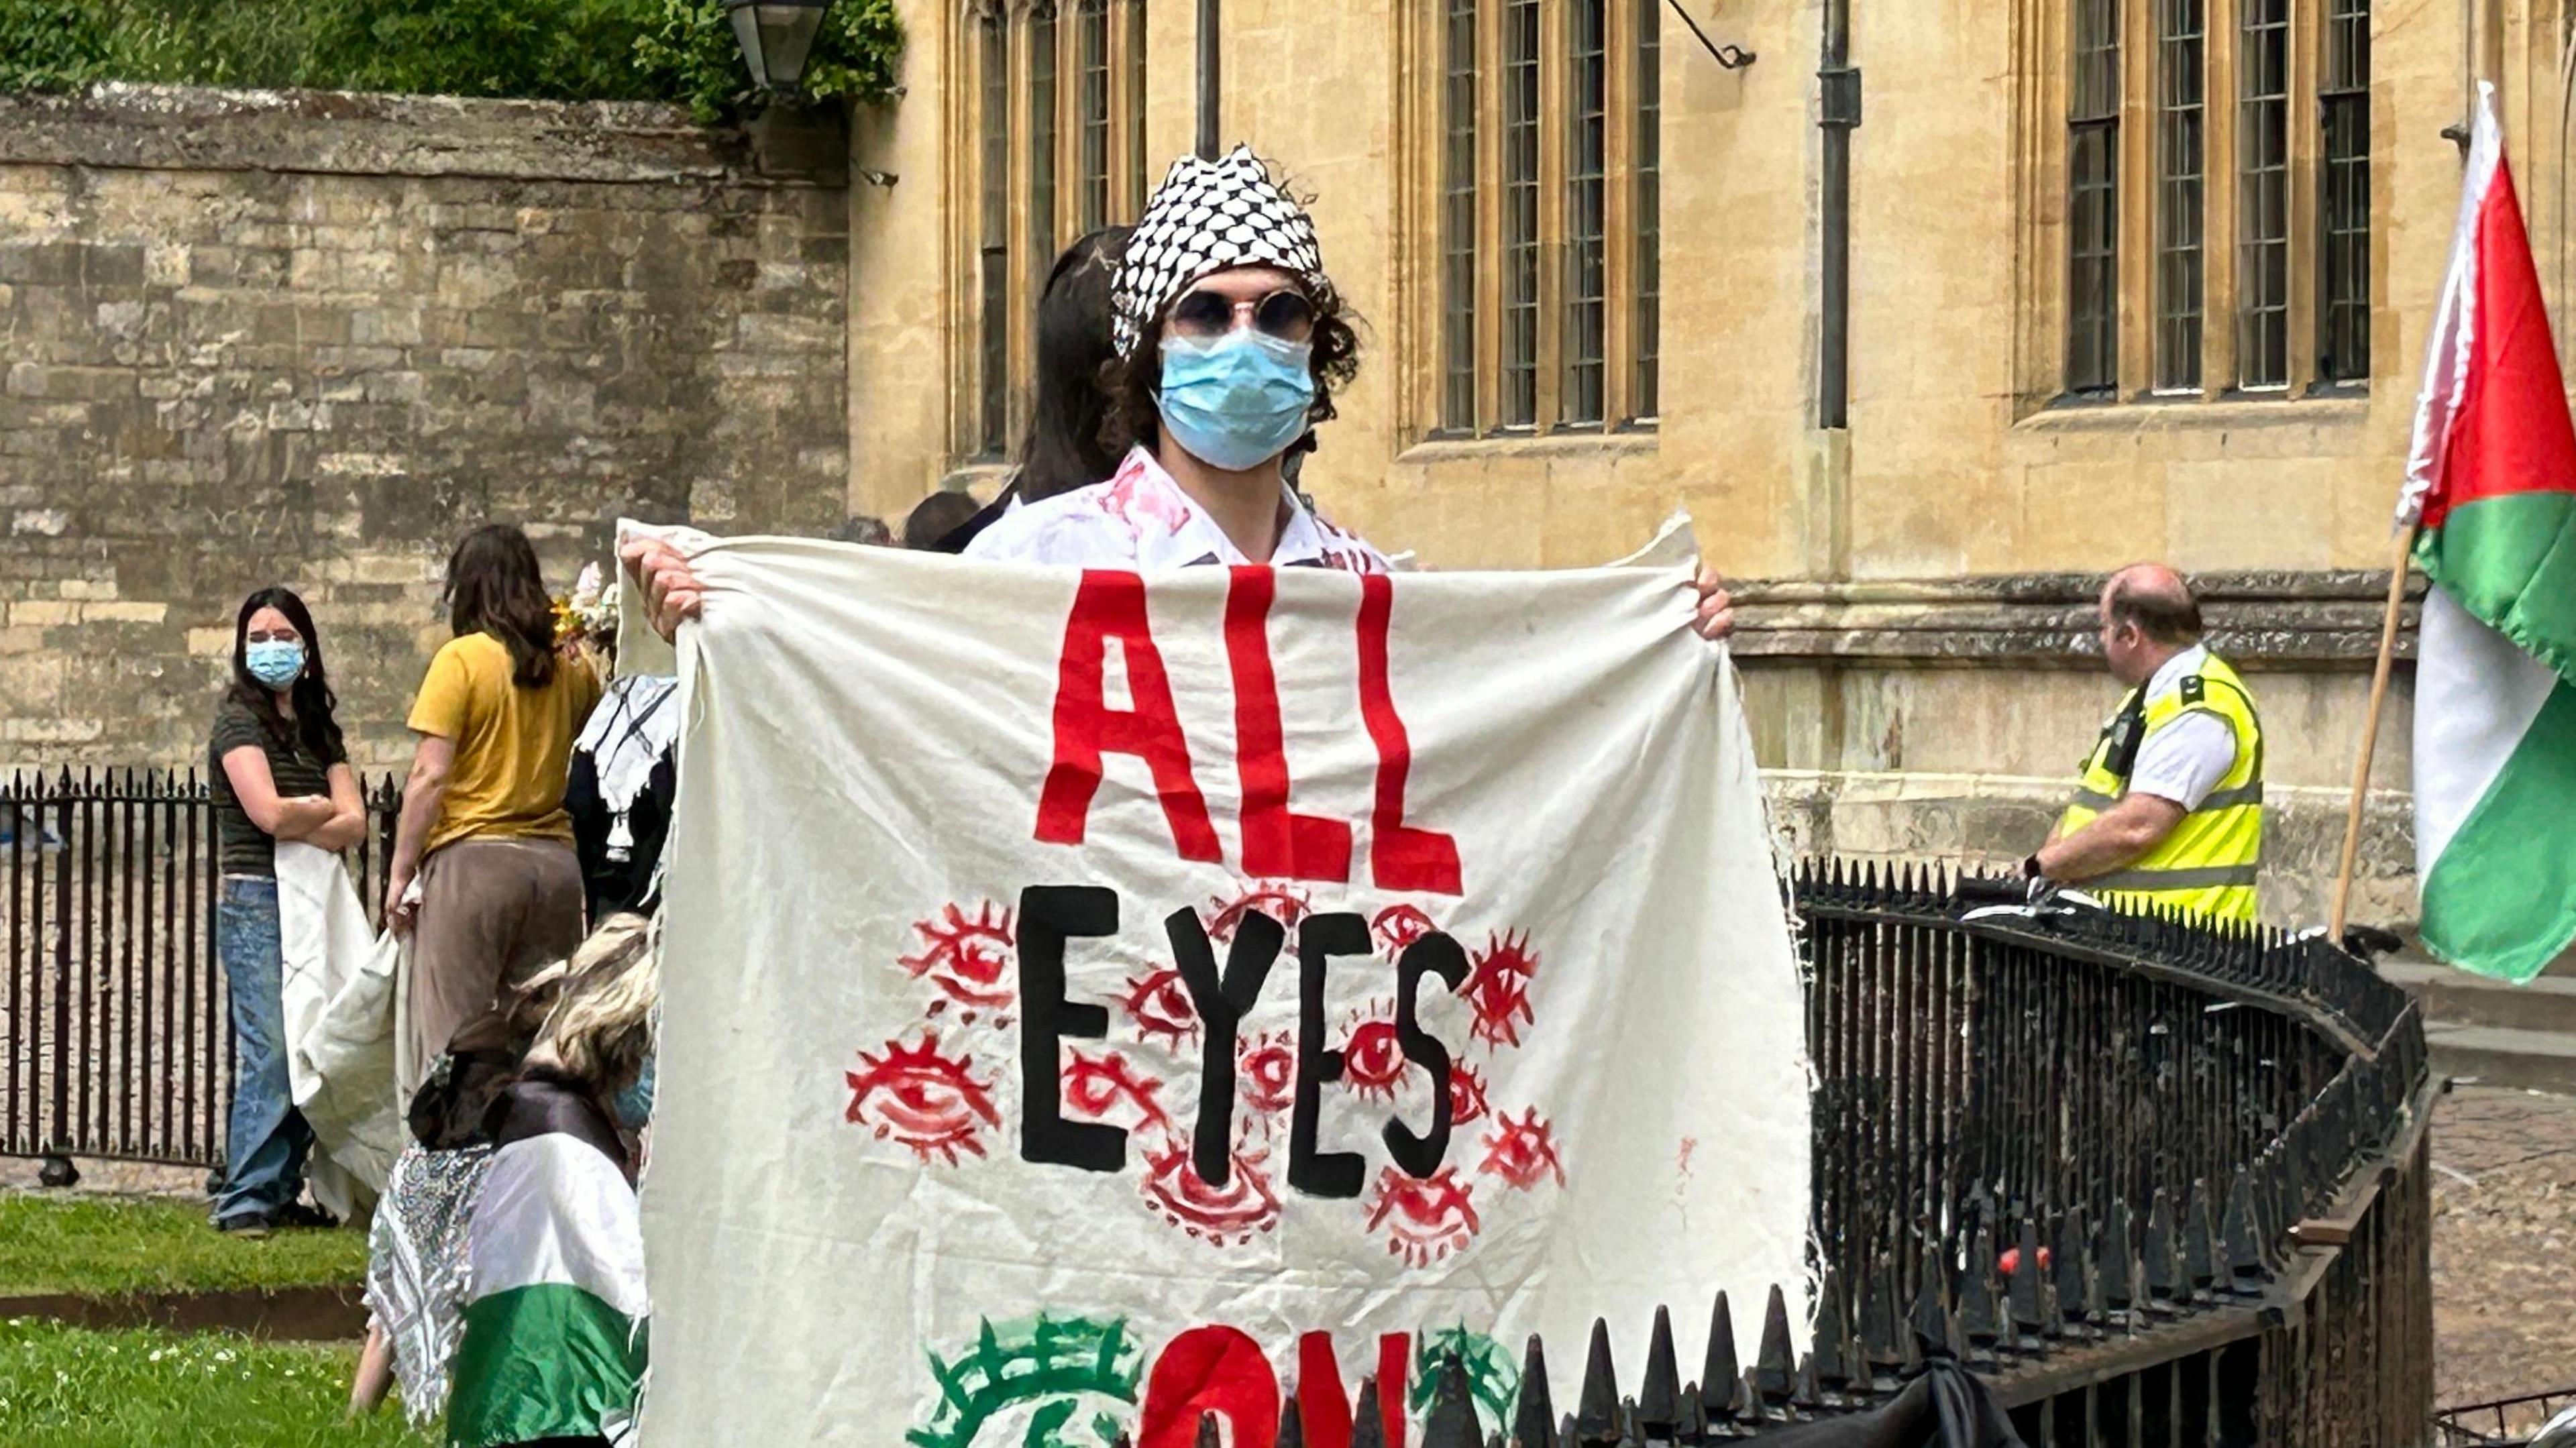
(309, 339)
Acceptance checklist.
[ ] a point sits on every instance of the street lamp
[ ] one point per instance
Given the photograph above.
(776, 38)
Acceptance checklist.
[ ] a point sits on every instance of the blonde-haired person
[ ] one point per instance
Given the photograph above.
(553, 1344)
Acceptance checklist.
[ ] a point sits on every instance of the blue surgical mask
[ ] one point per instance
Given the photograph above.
(274, 662)
(1237, 402)
(635, 1103)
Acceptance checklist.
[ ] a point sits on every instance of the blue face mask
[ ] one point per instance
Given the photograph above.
(1237, 402)
(274, 662)
(635, 1103)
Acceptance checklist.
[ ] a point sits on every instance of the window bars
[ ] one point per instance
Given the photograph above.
(2263, 196)
(2180, 211)
(2343, 194)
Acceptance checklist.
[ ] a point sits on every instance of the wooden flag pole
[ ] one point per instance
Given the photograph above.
(2370, 732)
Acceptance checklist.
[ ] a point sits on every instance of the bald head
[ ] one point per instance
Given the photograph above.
(2156, 599)
(2148, 616)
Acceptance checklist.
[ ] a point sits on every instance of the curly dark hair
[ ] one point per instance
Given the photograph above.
(1134, 383)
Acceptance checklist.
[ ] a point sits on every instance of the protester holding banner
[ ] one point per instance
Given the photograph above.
(1229, 338)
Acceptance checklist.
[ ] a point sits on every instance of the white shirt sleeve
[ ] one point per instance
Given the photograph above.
(2185, 760)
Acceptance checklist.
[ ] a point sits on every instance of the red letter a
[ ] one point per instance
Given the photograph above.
(1277, 841)
(1112, 605)
(1403, 858)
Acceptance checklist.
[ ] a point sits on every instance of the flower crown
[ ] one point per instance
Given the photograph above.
(589, 612)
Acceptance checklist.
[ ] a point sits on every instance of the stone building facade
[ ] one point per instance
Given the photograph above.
(2125, 280)
(255, 339)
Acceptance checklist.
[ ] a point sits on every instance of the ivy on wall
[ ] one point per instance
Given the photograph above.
(663, 50)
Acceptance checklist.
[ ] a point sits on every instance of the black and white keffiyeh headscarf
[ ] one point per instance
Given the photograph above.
(1205, 217)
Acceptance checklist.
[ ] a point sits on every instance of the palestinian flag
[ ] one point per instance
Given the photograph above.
(553, 1343)
(2492, 480)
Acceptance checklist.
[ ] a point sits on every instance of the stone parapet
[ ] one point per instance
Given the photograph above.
(185, 128)
(2280, 619)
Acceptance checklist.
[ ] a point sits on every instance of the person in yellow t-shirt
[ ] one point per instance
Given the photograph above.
(483, 827)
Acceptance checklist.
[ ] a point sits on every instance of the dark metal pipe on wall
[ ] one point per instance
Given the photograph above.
(1837, 115)
(1208, 80)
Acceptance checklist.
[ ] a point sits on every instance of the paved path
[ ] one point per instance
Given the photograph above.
(2504, 1243)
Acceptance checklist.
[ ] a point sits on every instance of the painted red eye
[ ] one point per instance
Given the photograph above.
(1285, 904)
(921, 1099)
(1160, 1006)
(967, 956)
(1372, 1059)
(1466, 1094)
(1266, 1068)
(1523, 1152)
(1497, 988)
(1107, 1088)
(1398, 926)
(1220, 1215)
(1426, 1218)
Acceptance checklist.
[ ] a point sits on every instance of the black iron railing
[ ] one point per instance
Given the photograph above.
(2502, 1422)
(2157, 1185)
(115, 1034)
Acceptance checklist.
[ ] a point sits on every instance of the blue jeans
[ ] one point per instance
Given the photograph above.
(264, 1150)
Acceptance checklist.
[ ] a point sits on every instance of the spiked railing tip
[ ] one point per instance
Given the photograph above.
(2241, 1239)
(1534, 1418)
(2116, 1259)
(1719, 1377)
(1834, 1363)
(2166, 1279)
(1452, 1420)
(2029, 1311)
(1809, 1392)
(1596, 1411)
(1691, 1425)
(1658, 1405)
(1368, 1420)
(1981, 1317)
(1209, 1437)
(1777, 1364)
(1292, 1425)
(2074, 1258)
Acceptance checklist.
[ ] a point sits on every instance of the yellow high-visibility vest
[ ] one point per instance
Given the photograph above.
(2207, 866)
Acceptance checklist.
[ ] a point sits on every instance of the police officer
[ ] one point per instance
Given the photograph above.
(2168, 814)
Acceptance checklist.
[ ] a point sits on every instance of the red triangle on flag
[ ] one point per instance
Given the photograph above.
(2510, 432)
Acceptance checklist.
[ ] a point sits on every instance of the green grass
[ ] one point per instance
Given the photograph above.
(103, 1246)
(64, 1387)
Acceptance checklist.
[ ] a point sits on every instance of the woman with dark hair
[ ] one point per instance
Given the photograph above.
(279, 773)
(1063, 449)
(483, 832)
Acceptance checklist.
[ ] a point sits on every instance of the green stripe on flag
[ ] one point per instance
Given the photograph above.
(2502, 899)
(2511, 562)
(541, 1362)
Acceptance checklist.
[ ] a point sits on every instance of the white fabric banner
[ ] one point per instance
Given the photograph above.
(337, 997)
(995, 1108)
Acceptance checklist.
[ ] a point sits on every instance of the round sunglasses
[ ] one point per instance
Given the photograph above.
(1204, 315)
